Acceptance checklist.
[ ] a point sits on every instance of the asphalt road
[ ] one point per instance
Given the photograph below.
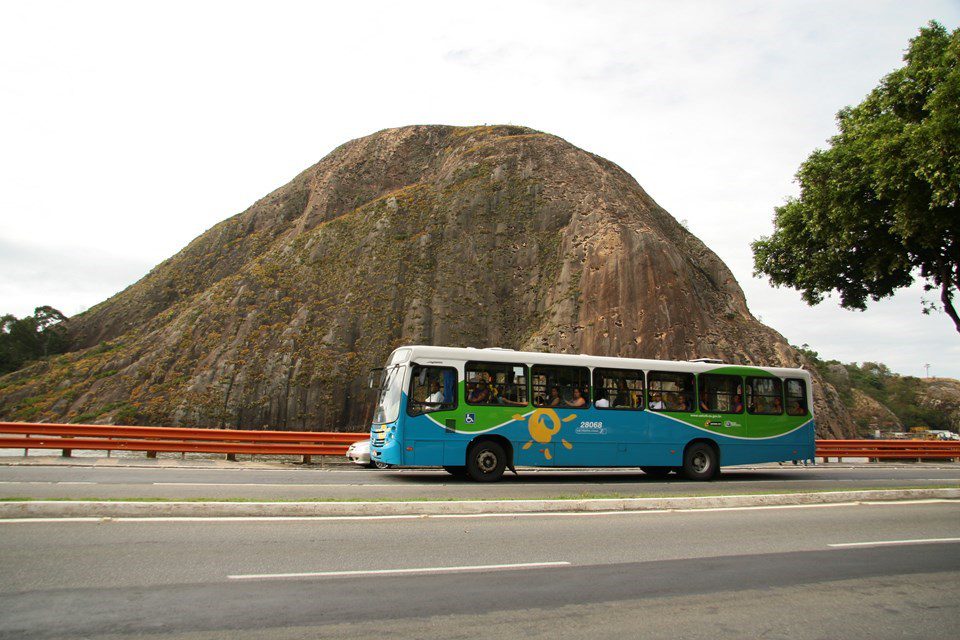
(347, 482)
(886, 570)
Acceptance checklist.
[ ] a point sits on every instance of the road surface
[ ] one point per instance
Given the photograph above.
(884, 570)
(352, 483)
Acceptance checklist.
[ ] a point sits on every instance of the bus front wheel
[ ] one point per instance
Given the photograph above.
(700, 462)
(486, 461)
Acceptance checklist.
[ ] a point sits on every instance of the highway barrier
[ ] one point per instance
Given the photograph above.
(889, 449)
(67, 437)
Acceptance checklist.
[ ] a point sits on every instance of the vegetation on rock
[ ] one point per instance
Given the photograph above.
(881, 399)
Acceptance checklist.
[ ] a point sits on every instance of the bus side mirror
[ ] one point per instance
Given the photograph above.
(373, 381)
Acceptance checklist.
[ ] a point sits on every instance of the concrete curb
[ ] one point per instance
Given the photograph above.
(91, 509)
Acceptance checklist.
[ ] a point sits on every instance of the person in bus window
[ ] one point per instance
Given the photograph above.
(777, 405)
(554, 399)
(683, 404)
(578, 400)
(435, 399)
(704, 405)
(622, 398)
(482, 393)
(797, 408)
(493, 392)
(736, 404)
(601, 401)
(656, 402)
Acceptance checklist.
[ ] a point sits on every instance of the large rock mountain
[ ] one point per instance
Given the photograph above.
(478, 236)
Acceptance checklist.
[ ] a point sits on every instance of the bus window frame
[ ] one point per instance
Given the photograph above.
(563, 403)
(748, 384)
(413, 379)
(639, 374)
(786, 402)
(693, 390)
(505, 365)
(700, 388)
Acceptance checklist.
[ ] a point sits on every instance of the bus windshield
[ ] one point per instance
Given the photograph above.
(391, 388)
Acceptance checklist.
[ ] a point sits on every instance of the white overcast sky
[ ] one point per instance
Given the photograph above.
(129, 128)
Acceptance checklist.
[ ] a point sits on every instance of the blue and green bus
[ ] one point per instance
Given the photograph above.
(477, 412)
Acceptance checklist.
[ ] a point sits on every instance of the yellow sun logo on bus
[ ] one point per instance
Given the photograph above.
(543, 425)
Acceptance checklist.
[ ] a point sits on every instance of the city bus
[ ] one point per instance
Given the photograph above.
(478, 412)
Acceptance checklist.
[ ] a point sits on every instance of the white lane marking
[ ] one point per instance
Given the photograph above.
(77, 483)
(450, 516)
(883, 543)
(385, 572)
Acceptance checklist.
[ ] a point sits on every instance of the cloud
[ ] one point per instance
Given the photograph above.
(69, 278)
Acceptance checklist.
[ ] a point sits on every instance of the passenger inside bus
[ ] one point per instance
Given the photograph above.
(623, 394)
(578, 400)
(656, 403)
(797, 408)
(554, 399)
(600, 400)
(479, 394)
(736, 404)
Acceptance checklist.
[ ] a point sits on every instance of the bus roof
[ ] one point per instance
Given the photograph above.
(423, 353)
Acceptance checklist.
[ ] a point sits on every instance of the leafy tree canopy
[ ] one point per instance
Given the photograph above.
(31, 337)
(879, 206)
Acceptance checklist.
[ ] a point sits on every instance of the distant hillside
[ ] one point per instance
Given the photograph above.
(460, 236)
(877, 398)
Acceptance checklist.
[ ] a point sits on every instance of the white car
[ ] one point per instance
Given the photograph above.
(359, 453)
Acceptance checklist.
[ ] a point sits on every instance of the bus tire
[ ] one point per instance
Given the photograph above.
(657, 472)
(486, 461)
(457, 472)
(700, 462)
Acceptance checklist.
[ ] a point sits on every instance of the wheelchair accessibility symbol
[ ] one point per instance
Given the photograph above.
(470, 418)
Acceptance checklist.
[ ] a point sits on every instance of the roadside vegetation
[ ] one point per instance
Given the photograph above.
(23, 340)
(932, 403)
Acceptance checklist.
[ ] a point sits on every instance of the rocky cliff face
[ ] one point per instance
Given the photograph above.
(481, 236)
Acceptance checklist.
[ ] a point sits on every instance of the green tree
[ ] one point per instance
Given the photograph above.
(31, 337)
(879, 206)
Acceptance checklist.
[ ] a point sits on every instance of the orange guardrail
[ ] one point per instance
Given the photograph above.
(889, 449)
(67, 437)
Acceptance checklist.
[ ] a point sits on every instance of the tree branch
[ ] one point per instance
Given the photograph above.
(946, 297)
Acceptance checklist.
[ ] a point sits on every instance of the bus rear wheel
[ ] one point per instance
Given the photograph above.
(486, 461)
(700, 462)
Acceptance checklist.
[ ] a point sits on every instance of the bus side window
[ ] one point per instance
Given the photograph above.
(564, 387)
(669, 391)
(796, 397)
(432, 389)
(765, 396)
(721, 393)
(495, 383)
(617, 389)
